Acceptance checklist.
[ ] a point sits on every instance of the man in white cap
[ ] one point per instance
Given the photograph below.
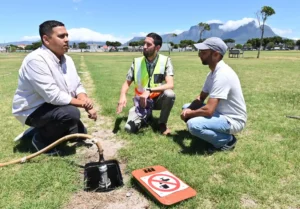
(224, 114)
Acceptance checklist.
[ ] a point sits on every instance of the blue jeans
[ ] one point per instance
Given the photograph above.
(214, 130)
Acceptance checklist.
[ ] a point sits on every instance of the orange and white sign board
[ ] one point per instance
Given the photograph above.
(164, 183)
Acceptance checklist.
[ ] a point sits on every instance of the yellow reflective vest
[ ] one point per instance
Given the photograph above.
(143, 80)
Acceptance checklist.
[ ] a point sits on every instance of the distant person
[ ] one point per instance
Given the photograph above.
(224, 114)
(49, 89)
(152, 75)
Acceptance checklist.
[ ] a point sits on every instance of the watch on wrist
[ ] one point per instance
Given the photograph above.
(148, 89)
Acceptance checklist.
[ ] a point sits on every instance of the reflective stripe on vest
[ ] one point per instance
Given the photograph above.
(141, 76)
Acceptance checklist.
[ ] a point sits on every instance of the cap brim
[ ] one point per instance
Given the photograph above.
(201, 46)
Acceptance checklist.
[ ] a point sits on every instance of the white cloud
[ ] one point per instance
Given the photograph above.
(84, 34)
(281, 32)
(30, 38)
(235, 24)
(177, 31)
(143, 34)
(214, 21)
(296, 39)
(140, 34)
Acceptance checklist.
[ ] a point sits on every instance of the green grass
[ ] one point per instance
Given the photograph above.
(263, 171)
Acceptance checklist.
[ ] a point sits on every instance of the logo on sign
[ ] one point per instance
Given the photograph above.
(164, 183)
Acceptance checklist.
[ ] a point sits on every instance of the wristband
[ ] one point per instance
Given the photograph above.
(149, 89)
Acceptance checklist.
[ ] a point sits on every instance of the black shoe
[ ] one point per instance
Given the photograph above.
(230, 145)
(38, 145)
(132, 127)
(227, 147)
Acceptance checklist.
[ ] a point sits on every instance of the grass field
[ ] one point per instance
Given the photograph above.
(262, 172)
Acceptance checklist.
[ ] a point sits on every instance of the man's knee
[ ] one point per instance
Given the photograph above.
(69, 113)
(186, 106)
(194, 128)
(169, 93)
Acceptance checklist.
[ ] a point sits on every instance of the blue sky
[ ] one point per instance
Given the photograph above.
(121, 20)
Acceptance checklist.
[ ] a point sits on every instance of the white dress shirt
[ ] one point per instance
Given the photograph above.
(44, 78)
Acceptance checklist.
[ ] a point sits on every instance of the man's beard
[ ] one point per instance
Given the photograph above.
(207, 60)
(149, 53)
(204, 62)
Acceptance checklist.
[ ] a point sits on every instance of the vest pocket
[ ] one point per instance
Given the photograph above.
(159, 78)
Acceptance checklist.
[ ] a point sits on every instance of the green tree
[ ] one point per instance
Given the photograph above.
(248, 46)
(29, 47)
(185, 43)
(229, 40)
(11, 48)
(262, 17)
(133, 44)
(289, 43)
(270, 45)
(140, 42)
(36, 45)
(298, 44)
(203, 27)
(74, 46)
(117, 43)
(82, 45)
(239, 46)
(171, 43)
(255, 42)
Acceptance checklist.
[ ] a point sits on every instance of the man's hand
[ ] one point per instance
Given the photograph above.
(88, 103)
(143, 98)
(122, 103)
(92, 113)
(185, 114)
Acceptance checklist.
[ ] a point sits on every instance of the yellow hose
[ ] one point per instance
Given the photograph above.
(54, 144)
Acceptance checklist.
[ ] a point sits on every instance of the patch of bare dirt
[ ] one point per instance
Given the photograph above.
(123, 197)
(247, 202)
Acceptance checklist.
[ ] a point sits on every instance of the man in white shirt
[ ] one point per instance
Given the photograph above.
(49, 89)
(224, 114)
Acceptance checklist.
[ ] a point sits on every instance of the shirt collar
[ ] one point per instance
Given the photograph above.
(220, 64)
(153, 62)
(63, 59)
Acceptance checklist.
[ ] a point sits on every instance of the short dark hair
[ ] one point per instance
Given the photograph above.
(157, 38)
(46, 27)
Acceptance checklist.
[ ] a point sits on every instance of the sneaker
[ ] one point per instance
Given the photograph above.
(28, 133)
(230, 145)
(38, 145)
(132, 127)
(227, 147)
(164, 130)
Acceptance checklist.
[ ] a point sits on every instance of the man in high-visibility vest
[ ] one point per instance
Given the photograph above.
(152, 75)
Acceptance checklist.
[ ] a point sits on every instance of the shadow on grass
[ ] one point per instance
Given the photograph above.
(197, 146)
(117, 124)
(24, 145)
(153, 123)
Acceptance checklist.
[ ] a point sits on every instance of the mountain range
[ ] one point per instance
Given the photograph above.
(240, 35)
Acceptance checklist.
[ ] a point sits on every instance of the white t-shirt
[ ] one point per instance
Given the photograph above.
(44, 78)
(224, 84)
